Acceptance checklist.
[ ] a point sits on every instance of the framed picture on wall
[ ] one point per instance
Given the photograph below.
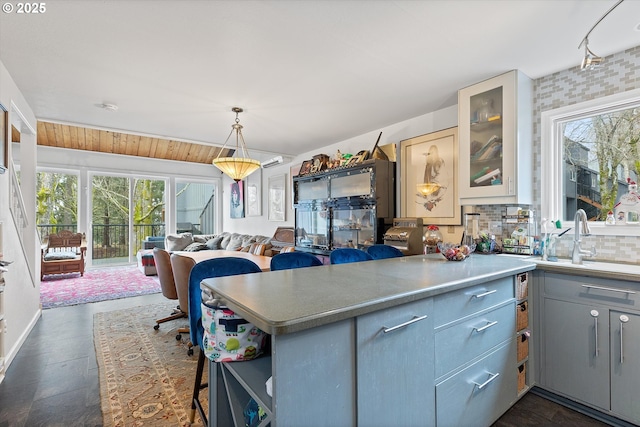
(4, 139)
(236, 205)
(277, 197)
(254, 193)
(430, 178)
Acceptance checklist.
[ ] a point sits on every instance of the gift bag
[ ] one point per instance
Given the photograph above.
(229, 337)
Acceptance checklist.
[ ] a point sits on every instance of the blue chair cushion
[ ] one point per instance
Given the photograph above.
(289, 260)
(384, 251)
(347, 255)
(215, 267)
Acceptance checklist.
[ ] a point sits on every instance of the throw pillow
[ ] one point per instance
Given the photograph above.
(178, 242)
(214, 243)
(225, 241)
(234, 244)
(195, 247)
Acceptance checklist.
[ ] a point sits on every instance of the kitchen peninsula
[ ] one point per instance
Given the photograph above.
(406, 341)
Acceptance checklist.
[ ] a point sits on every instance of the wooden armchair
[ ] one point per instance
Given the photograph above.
(63, 252)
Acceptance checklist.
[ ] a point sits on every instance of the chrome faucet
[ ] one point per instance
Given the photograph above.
(581, 227)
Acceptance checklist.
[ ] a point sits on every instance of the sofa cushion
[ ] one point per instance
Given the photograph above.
(178, 242)
(203, 238)
(195, 247)
(55, 256)
(214, 243)
(226, 238)
(235, 243)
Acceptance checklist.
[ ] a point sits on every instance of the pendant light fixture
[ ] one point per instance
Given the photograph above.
(236, 167)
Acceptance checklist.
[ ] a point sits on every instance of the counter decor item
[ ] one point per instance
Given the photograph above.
(456, 252)
(432, 237)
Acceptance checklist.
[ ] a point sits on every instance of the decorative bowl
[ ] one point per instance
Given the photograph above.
(456, 252)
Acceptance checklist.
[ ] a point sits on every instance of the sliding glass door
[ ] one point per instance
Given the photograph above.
(124, 211)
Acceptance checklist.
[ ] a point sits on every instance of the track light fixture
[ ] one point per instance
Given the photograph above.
(591, 60)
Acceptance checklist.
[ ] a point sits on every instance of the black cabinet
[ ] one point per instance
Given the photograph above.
(344, 207)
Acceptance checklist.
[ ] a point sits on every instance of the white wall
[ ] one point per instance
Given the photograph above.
(393, 134)
(22, 294)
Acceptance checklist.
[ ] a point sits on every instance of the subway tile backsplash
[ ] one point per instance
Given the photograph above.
(620, 73)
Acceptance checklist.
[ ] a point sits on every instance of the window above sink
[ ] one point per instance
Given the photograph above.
(588, 152)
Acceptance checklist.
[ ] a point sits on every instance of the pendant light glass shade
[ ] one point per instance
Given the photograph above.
(236, 168)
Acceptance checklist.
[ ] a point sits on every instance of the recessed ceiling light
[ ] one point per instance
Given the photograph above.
(108, 107)
(638, 27)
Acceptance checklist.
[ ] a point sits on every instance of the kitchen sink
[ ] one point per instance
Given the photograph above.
(590, 265)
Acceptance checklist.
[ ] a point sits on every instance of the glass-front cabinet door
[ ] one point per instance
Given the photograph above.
(353, 227)
(312, 226)
(495, 133)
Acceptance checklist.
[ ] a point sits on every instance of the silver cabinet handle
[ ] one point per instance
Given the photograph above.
(484, 294)
(487, 326)
(604, 288)
(402, 325)
(623, 319)
(491, 378)
(595, 314)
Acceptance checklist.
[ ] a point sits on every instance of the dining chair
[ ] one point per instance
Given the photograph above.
(210, 268)
(347, 255)
(289, 260)
(381, 251)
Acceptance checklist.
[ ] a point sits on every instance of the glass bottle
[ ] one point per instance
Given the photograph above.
(471, 228)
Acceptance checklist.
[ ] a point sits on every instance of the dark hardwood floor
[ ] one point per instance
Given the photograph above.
(53, 381)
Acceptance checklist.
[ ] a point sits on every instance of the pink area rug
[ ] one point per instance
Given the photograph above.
(101, 284)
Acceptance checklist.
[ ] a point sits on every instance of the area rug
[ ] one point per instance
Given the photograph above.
(146, 376)
(101, 284)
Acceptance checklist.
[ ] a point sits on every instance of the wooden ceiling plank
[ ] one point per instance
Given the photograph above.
(124, 141)
(82, 140)
(66, 136)
(161, 150)
(144, 146)
(153, 147)
(132, 146)
(95, 140)
(73, 136)
(59, 138)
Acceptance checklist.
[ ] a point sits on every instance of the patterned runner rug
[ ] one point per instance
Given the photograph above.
(100, 284)
(146, 377)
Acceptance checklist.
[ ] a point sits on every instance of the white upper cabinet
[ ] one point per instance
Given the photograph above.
(495, 136)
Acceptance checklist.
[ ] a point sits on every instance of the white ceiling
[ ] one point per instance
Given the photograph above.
(307, 73)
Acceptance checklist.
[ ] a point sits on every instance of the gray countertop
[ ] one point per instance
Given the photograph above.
(286, 301)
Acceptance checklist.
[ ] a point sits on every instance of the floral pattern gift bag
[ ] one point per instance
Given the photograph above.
(229, 337)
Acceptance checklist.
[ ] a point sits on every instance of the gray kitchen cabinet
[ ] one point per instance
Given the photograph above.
(625, 363)
(571, 364)
(475, 353)
(333, 364)
(395, 363)
(590, 346)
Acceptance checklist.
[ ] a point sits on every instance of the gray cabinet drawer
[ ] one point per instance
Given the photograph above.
(460, 401)
(396, 366)
(462, 342)
(590, 290)
(464, 302)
